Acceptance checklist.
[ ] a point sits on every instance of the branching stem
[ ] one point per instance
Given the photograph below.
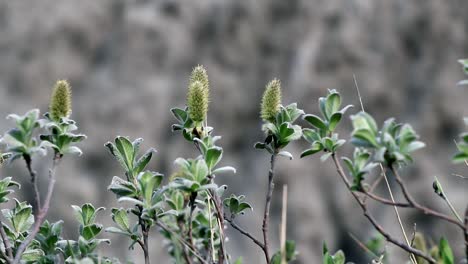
(33, 174)
(372, 220)
(6, 244)
(424, 209)
(266, 215)
(245, 233)
(42, 212)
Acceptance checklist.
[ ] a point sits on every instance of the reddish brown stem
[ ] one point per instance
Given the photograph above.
(266, 215)
(416, 205)
(372, 220)
(385, 201)
(245, 233)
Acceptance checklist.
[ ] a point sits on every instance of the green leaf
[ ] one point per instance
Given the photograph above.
(120, 217)
(200, 171)
(122, 188)
(116, 230)
(143, 161)
(310, 135)
(91, 231)
(179, 114)
(334, 120)
(23, 219)
(149, 181)
(276, 259)
(286, 154)
(460, 157)
(32, 255)
(224, 169)
(339, 257)
(445, 252)
(364, 138)
(285, 131)
(363, 121)
(290, 250)
(125, 148)
(88, 213)
(213, 156)
(315, 121)
(333, 103)
(238, 261)
(325, 156)
(317, 147)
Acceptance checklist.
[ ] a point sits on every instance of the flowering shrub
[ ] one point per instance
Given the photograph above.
(189, 209)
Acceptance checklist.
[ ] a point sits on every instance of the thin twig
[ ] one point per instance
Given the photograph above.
(416, 205)
(385, 201)
(371, 219)
(460, 176)
(373, 186)
(412, 258)
(466, 233)
(362, 245)
(211, 229)
(266, 215)
(219, 215)
(284, 215)
(182, 241)
(192, 205)
(359, 94)
(33, 174)
(6, 243)
(42, 211)
(184, 249)
(446, 199)
(245, 233)
(145, 233)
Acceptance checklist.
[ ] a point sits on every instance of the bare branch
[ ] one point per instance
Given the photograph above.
(33, 175)
(372, 220)
(385, 201)
(245, 233)
(266, 214)
(416, 205)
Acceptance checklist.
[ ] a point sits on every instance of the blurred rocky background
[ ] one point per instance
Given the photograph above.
(129, 61)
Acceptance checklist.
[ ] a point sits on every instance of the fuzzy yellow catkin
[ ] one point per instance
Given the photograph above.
(60, 102)
(197, 101)
(199, 74)
(271, 101)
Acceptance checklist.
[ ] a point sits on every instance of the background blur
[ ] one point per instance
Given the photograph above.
(129, 62)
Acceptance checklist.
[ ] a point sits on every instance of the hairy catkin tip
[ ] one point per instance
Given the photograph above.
(197, 101)
(271, 101)
(199, 74)
(60, 102)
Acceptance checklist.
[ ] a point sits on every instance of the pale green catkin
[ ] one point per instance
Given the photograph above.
(199, 74)
(271, 101)
(60, 102)
(197, 101)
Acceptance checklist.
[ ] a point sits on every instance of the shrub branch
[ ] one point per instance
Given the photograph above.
(416, 205)
(42, 212)
(372, 220)
(6, 243)
(266, 215)
(33, 174)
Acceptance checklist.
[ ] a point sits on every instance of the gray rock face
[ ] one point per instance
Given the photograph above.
(129, 62)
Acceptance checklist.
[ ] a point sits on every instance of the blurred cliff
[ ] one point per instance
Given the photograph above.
(129, 62)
